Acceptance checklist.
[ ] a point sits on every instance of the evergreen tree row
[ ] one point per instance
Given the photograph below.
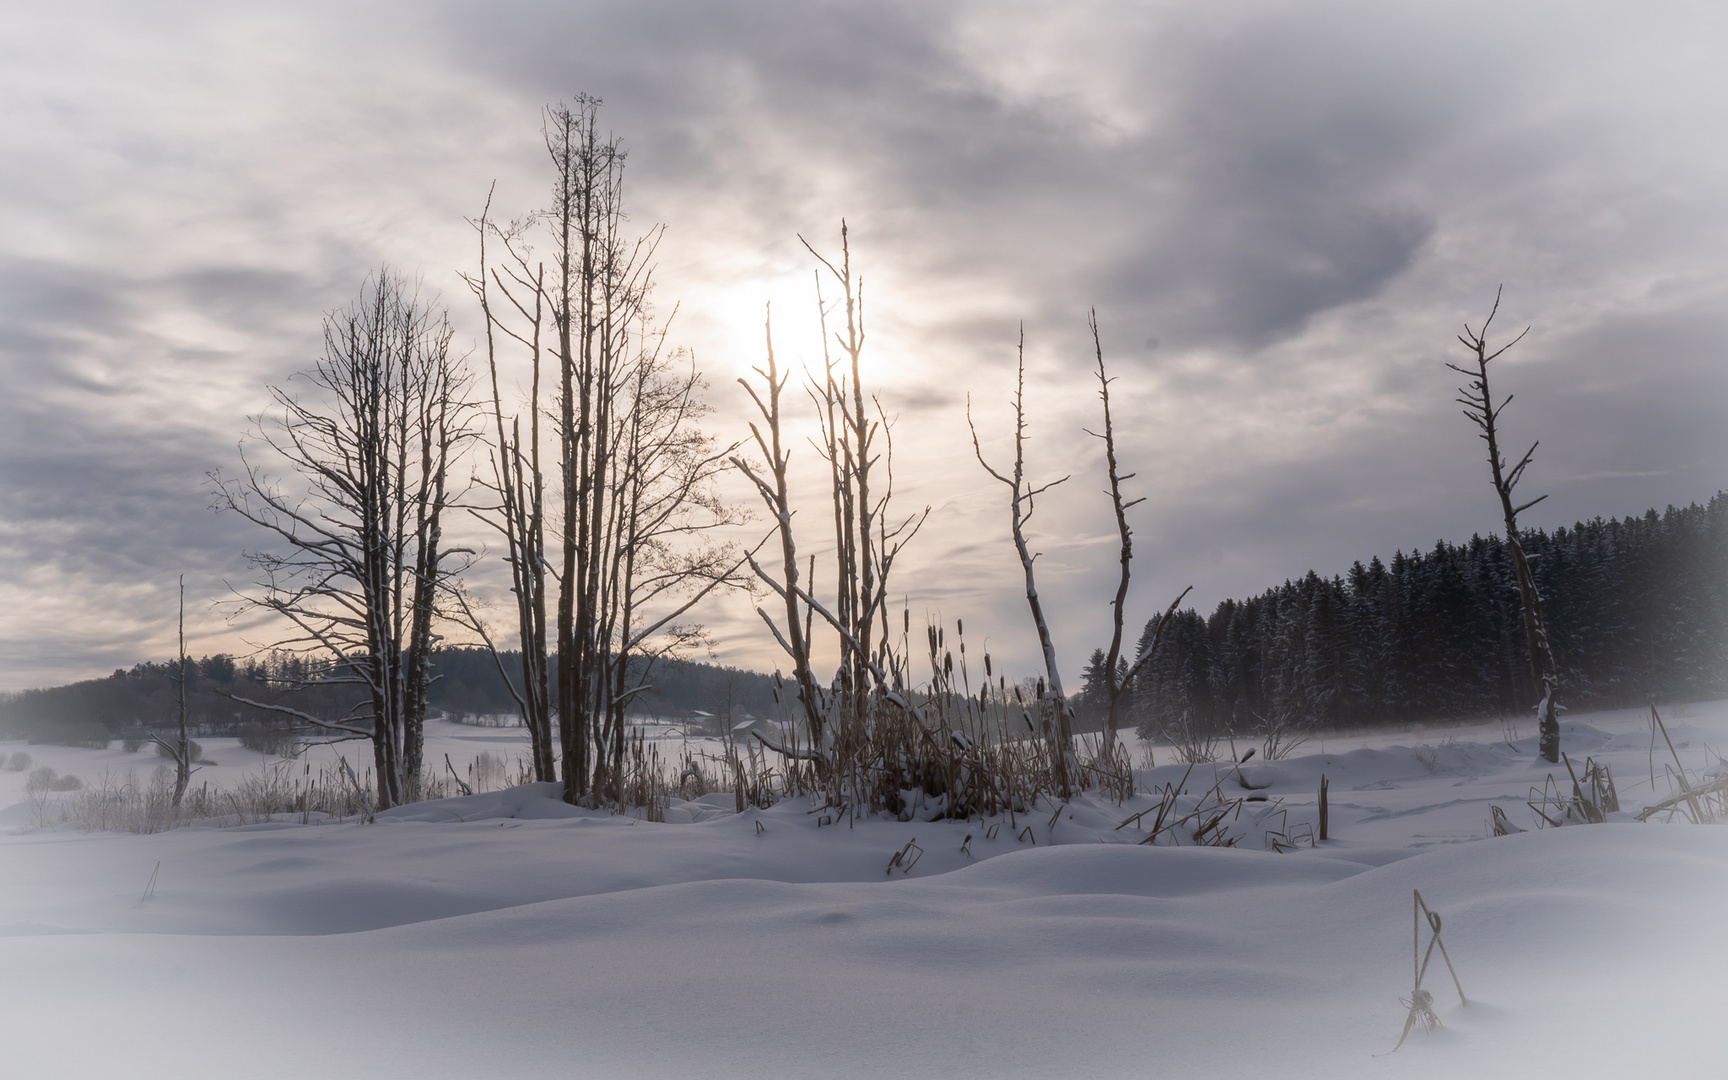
(1637, 610)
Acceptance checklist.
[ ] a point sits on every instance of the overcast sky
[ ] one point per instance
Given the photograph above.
(1283, 213)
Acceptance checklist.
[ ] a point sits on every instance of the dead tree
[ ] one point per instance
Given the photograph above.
(365, 578)
(776, 496)
(1118, 681)
(1021, 506)
(1479, 406)
(1114, 685)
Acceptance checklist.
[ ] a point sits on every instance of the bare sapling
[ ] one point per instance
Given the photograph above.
(663, 565)
(180, 750)
(1482, 411)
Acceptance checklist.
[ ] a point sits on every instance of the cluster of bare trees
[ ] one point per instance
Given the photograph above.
(872, 678)
(611, 569)
(1117, 675)
(856, 443)
(600, 483)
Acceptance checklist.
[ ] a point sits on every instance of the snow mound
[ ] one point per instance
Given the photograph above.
(1113, 869)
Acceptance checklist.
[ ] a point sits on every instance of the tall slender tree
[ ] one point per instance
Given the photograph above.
(1022, 504)
(518, 479)
(1480, 408)
(1118, 674)
(180, 749)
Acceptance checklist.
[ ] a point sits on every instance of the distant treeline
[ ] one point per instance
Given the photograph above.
(1637, 611)
(147, 697)
(467, 684)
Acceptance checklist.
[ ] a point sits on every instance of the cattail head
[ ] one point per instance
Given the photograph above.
(987, 671)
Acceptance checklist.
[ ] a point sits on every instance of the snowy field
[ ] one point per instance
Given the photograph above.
(507, 935)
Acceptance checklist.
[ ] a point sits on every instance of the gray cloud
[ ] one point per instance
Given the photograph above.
(1300, 203)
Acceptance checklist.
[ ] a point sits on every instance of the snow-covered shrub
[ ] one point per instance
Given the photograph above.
(18, 762)
(37, 787)
(43, 779)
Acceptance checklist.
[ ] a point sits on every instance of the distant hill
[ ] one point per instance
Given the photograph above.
(467, 685)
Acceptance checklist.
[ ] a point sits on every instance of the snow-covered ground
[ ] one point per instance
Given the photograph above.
(507, 935)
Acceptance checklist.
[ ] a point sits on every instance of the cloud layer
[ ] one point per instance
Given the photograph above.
(1282, 213)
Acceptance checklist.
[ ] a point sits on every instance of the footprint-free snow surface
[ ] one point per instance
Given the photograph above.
(507, 935)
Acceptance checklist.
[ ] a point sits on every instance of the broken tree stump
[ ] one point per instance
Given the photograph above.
(1322, 806)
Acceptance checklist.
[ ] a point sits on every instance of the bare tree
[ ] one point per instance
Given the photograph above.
(1479, 406)
(365, 577)
(180, 750)
(661, 562)
(795, 641)
(518, 479)
(1022, 496)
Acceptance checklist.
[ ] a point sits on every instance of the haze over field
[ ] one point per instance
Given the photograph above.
(1282, 213)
